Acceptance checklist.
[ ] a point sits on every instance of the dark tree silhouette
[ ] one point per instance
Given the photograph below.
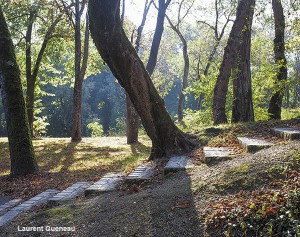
(280, 60)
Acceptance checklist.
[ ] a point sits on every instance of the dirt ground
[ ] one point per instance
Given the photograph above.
(175, 205)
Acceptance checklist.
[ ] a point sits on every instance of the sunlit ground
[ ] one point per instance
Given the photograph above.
(62, 162)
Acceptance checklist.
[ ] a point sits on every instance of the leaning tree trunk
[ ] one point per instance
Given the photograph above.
(117, 51)
(20, 144)
(280, 60)
(242, 109)
(229, 62)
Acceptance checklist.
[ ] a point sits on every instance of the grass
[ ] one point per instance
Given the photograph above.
(63, 163)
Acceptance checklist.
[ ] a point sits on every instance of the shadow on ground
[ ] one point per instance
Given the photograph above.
(165, 209)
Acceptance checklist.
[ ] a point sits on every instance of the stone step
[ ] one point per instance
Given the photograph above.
(73, 191)
(4, 199)
(217, 154)
(107, 183)
(10, 204)
(142, 173)
(27, 205)
(286, 133)
(252, 145)
(178, 163)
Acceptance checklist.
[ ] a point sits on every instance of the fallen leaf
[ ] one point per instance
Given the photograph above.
(183, 204)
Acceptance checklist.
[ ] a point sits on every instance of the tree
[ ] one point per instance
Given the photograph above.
(25, 17)
(280, 61)
(177, 30)
(220, 10)
(20, 144)
(32, 72)
(232, 58)
(81, 59)
(159, 29)
(117, 51)
(242, 109)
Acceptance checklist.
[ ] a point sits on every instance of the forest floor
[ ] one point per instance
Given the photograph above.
(63, 163)
(250, 195)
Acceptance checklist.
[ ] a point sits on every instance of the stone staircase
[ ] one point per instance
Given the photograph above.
(248, 144)
(108, 183)
(144, 172)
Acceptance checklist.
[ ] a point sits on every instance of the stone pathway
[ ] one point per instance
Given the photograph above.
(177, 163)
(252, 145)
(286, 133)
(107, 183)
(9, 204)
(71, 192)
(142, 173)
(217, 154)
(27, 205)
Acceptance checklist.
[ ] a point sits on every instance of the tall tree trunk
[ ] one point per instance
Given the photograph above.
(117, 51)
(80, 69)
(229, 63)
(242, 109)
(159, 29)
(20, 145)
(280, 60)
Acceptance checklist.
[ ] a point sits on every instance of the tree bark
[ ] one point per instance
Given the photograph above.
(229, 63)
(80, 69)
(132, 122)
(280, 61)
(242, 109)
(159, 29)
(20, 144)
(117, 51)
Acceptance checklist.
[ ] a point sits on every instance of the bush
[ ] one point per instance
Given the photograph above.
(95, 129)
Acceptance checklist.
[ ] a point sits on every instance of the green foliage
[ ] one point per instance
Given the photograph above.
(40, 126)
(194, 119)
(290, 113)
(95, 129)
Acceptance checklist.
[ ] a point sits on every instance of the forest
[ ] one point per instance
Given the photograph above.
(188, 64)
(140, 94)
